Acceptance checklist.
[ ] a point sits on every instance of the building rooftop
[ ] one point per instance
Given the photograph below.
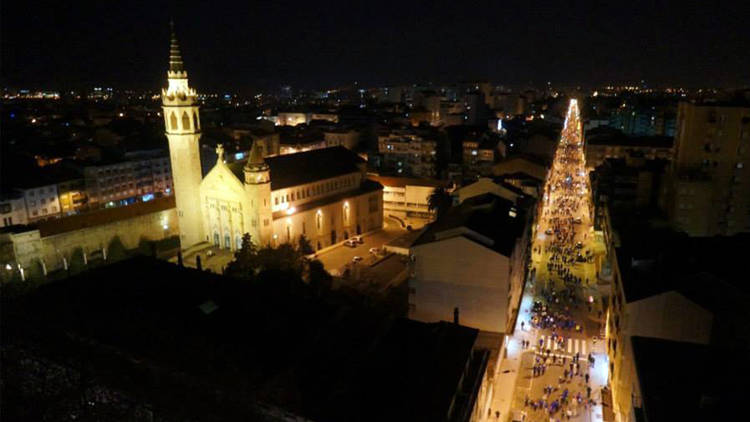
(674, 387)
(420, 367)
(306, 167)
(605, 135)
(103, 216)
(208, 347)
(493, 217)
(400, 182)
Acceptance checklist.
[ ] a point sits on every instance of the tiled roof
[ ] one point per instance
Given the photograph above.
(306, 167)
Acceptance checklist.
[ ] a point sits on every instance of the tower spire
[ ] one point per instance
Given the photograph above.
(175, 58)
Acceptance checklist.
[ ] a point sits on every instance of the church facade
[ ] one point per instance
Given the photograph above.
(322, 194)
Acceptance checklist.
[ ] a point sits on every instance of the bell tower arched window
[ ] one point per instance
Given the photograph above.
(185, 121)
(173, 121)
(196, 122)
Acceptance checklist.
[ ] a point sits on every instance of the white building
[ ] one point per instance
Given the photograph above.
(13, 209)
(406, 199)
(471, 261)
(41, 202)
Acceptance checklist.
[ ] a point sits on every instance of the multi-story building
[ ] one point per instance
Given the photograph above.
(472, 261)
(42, 202)
(603, 143)
(479, 154)
(407, 154)
(288, 118)
(141, 177)
(645, 120)
(406, 199)
(73, 195)
(646, 302)
(13, 208)
(347, 138)
(709, 188)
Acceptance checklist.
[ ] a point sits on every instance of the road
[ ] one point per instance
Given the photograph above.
(559, 313)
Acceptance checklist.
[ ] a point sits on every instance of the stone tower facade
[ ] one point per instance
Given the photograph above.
(258, 188)
(182, 123)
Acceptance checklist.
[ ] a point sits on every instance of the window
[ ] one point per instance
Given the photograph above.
(238, 241)
(185, 122)
(172, 124)
(265, 222)
(227, 241)
(277, 200)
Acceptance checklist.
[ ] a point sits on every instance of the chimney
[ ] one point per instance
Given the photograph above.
(455, 315)
(198, 263)
(179, 258)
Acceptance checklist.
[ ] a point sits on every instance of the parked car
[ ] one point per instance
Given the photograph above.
(350, 243)
(356, 258)
(374, 251)
(358, 239)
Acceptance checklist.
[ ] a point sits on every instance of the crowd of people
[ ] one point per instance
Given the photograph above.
(564, 220)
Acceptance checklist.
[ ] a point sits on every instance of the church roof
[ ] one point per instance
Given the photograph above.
(306, 167)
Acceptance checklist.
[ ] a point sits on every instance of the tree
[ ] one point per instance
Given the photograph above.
(320, 280)
(439, 201)
(304, 246)
(283, 258)
(116, 250)
(246, 263)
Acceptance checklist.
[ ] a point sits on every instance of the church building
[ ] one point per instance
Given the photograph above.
(322, 194)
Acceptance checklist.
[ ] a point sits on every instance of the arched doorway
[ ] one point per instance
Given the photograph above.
(359, 229)
(216, 238)
(333, 237)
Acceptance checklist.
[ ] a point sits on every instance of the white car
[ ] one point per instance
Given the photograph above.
(350, 243)
(358, 239)
(356, 258)
(374, 251)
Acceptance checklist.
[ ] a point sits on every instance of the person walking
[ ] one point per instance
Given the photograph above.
(587, 378)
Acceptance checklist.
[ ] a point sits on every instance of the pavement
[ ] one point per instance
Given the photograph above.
(338, 257)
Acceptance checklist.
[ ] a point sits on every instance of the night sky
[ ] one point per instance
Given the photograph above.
(248, 45)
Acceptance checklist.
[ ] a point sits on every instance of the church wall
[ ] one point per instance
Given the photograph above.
(29, 247)
(332, 223)
(294, 196)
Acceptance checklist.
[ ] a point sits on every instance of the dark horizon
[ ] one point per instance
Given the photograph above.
(243, 47)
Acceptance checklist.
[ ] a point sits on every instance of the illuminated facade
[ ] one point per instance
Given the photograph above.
(182, 123)
(322, 194)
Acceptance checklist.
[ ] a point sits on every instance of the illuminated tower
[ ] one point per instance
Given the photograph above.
(183, 132)
(258, 188)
